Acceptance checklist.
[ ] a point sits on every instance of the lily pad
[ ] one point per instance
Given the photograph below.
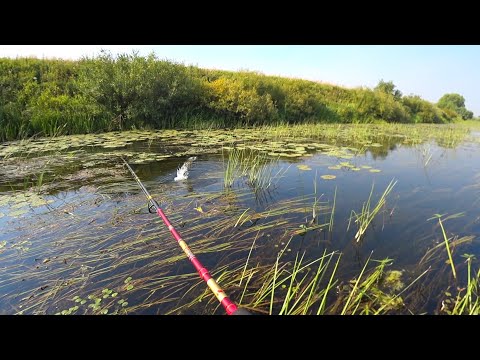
(328, 177)
(20, 205)
(304, 167)
(18, 212)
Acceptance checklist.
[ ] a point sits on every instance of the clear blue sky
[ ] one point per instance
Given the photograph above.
(426, 70)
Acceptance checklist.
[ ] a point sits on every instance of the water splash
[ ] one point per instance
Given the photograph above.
(182, 171)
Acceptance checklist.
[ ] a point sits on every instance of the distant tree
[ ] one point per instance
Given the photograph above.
(388, 88)
(451, 101)
(455, 102)
(466, 114)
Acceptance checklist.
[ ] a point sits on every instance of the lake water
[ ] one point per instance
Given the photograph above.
(76, 234)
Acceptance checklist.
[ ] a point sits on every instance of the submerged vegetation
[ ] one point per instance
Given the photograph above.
(77, 237)
(57, 97)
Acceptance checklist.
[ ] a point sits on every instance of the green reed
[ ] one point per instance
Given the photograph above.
(468, 303)
(364, 218)
(256, 167)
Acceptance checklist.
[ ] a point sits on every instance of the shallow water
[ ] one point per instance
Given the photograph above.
(89, 229)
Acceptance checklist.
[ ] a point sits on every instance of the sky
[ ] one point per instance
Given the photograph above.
(426, 70)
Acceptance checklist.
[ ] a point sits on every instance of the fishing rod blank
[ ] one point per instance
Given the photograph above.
(228, 304)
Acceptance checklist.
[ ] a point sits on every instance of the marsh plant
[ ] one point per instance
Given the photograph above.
(467, 301)
(314, 287)
(256, 167)
(364, 218)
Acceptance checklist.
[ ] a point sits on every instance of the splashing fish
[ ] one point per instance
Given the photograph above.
(182, 171)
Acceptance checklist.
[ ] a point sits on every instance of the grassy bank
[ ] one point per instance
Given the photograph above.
(52, 97)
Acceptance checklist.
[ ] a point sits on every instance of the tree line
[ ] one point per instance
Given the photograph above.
(49, 97)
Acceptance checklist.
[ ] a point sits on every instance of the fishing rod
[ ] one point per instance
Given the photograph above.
(228, 304)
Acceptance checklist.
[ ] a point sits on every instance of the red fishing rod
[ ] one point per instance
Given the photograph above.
(228, 304)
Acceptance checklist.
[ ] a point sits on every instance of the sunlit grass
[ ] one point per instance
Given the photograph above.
(467, 301)
(364, 218)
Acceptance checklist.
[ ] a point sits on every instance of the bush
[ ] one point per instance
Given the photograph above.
(106, 93)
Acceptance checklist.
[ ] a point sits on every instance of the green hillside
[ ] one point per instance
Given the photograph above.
(52, 97)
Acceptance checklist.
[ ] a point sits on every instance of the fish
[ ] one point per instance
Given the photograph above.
(182, 171)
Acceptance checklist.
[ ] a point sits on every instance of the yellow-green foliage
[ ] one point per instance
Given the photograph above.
(425, 112)
(234, 99)
(392, 280)
(49, 97)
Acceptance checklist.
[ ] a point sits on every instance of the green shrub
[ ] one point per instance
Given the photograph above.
(49, 97)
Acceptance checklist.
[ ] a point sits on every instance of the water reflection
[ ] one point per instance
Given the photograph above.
(103, 210)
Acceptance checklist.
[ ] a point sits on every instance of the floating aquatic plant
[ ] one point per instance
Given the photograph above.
(328, 177)
(304, 167)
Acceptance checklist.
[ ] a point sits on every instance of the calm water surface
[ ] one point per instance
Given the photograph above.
(95, 232)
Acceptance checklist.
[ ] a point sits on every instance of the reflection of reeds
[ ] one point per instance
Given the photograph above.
(367, 214)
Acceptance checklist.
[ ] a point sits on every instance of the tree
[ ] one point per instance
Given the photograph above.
(388, 88)
(451, 101)
(455, 102)
(466, 114)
